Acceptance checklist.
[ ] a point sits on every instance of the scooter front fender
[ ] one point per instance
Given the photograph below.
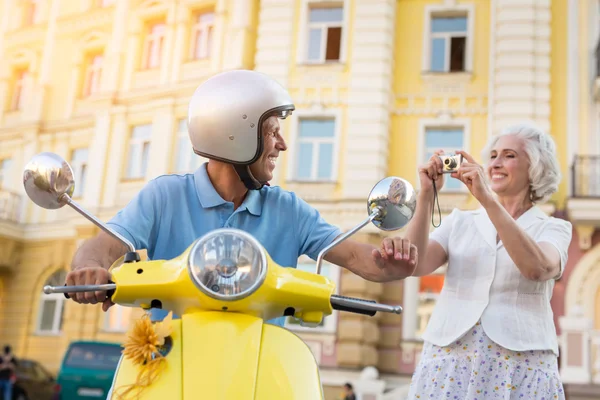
(227, 356)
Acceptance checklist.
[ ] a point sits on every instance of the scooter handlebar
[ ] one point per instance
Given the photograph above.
(108, 287)
(361, 306)
(341, 303)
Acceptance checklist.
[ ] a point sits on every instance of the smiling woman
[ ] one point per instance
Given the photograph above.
(542, 171)
(492, 331)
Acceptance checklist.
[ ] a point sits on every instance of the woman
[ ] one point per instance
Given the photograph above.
(491, 334)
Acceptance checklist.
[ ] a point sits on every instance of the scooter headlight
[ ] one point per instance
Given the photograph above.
(227, 264)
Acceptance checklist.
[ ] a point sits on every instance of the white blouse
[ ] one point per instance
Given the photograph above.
(483, 283)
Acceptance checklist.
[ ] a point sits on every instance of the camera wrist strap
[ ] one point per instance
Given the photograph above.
(436, 200)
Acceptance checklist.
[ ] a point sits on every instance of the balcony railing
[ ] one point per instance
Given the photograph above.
(585, 176)
(10, 204)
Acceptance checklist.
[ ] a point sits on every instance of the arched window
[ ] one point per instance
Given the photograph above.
(50, 311)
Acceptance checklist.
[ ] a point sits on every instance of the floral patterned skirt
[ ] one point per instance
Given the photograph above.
(476, 368)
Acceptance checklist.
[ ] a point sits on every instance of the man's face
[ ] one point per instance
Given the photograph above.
(273, 143)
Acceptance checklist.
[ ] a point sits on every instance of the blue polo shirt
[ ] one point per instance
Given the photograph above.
(172, 211)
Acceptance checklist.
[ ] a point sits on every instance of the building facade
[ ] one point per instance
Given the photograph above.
(576, 299)
(378, 85)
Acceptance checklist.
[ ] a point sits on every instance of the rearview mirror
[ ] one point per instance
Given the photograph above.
(396, 199)
(48, 180)
(391, 205)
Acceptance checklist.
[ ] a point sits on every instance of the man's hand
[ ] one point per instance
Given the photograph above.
(90, 276)
(397, 258)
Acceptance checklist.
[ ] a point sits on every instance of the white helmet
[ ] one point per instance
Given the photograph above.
(226, 114)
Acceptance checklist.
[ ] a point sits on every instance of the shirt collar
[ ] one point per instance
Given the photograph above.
(252, 202)
(209, 197)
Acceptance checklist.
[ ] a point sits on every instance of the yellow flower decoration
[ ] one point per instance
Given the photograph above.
(142, 347)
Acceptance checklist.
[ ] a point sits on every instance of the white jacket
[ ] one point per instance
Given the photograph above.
(482, 282)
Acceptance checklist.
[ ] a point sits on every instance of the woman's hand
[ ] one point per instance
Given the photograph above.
(431, 171)
(473, 176)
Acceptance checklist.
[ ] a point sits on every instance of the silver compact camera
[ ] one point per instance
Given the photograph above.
(450, 162)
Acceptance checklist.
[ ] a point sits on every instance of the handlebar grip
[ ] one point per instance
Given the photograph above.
(361, 306)
(109, 293)
(355, 310)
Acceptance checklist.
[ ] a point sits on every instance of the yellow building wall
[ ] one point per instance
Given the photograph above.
(409, 80)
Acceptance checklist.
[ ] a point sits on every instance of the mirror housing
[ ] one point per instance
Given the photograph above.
(48, 181)
(396, 199)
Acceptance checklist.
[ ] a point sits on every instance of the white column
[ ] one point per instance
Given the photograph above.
(118, 146)
(48, 54)
(97, 161)
(163, 126)
(133, 54)
(114, 53)
(167, 55)
(273, 52)
(369, 93)
(520, 68)
(73, 91)
(237, 34)
(180, 50)
(410, 305)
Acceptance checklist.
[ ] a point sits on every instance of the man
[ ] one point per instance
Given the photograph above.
(7, 367)
(233, 120)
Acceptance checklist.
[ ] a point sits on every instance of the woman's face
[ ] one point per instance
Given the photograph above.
(508, 167)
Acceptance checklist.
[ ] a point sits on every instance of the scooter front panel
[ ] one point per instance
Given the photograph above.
(220, 355)
(287, 368)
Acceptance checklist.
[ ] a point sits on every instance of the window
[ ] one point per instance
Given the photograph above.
(202, 34)
(316, 142)
(139, 151)
(29, 12)
(117, 318)
(185, 159)
(153, 46)
(93, 356)
(329, 323)
(18, 96)
(450, 140)
(79, 163)
(5, 172)
(448, 43)
(50, 318)
(92, 75)
(324, 34)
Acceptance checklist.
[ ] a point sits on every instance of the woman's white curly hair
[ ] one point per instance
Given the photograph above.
(544, 170)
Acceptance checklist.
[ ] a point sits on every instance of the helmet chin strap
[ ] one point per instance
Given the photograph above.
(246, 176)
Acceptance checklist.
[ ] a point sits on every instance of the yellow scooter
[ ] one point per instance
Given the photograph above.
(224, 287)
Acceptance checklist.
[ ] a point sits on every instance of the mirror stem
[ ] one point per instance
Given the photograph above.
(97, 222)
(374, 214)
